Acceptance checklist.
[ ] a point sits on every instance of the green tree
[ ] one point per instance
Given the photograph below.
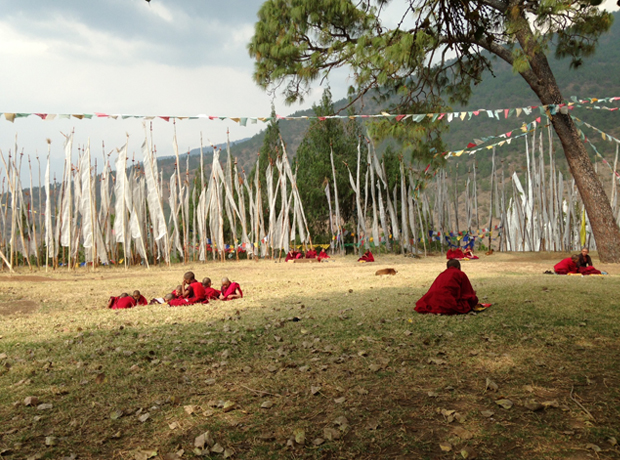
(437, 51)
(271, 148)
(314, 169)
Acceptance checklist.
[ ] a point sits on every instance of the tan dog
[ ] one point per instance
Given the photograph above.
(386, 271)
(489, 252)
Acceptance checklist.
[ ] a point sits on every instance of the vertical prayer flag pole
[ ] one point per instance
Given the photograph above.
(339, 233)
(33, 217)
(40, 201)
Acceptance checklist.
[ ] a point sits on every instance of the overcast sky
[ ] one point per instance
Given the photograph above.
(166, 57)
(128, 56)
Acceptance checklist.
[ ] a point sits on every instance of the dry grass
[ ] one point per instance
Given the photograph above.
(317, 342)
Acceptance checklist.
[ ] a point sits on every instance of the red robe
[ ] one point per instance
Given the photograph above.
(322, 255)
(232, 287)
(121, 303)
(451, 293)
(292, 255)
(468, 254)
(197, 295)
(311, 254)
(455, 254)
(367, 257)
(589, 271)
(565, 266)
(211, 294)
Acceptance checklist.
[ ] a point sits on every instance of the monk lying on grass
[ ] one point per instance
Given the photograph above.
(230, 290)
(292, 255)
(175, 294)
(126, 301)
(192, 292)
(566, 266)
(450, 294)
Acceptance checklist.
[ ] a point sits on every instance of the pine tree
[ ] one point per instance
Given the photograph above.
(314, 169)
(438, 51)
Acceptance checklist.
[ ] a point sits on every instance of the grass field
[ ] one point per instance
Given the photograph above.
(316, 361)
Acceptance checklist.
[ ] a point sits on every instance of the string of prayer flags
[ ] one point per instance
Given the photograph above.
(505, 113)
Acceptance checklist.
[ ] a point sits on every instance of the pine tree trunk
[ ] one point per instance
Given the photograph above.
(542, 81)
(604, 226)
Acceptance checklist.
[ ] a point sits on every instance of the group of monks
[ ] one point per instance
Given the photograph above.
(577, 265)
(189, 292)
(451, 293)
(310, 254)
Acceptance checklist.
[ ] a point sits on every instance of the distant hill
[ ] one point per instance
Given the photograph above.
(597, 77)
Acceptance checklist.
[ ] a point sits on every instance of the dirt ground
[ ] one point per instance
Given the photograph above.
(311, 345)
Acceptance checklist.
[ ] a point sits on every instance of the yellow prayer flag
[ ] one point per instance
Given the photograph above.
(582, 233)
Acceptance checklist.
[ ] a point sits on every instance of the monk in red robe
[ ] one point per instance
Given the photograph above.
(367, 257)
(451, 293)
(175, 294)
(210, 293)
(311, 254)
(566, 266)
(469, 254)
(230, 290)
(125, 300)
(455, 254)
(192, 292)
(322, 255)
(584, 264)
(292, 255)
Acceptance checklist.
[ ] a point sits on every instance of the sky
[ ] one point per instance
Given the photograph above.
(163, 57)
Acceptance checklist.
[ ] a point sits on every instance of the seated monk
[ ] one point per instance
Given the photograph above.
(469, 254)
(210, 293)
(230, 290)
(451, 293)
(192, 292)
(367, 257)
(455, 254)
(566, 266)
(584, 264)
(322, 255)
(125, 300)
(311, 254)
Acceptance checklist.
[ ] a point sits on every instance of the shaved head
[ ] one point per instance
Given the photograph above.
(454, 263)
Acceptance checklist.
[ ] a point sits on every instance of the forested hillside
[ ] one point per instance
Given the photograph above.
(597, 77)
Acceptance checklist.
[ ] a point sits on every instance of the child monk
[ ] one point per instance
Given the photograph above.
(455, 254)
(292, 255)
(125, 300)
(584, 264)
(451, 293)
(192, 292)
(230, 290)
(311, 254)
(566, 266)
(322, 255)
(367, 257)
(210, 293)
(175, 294)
